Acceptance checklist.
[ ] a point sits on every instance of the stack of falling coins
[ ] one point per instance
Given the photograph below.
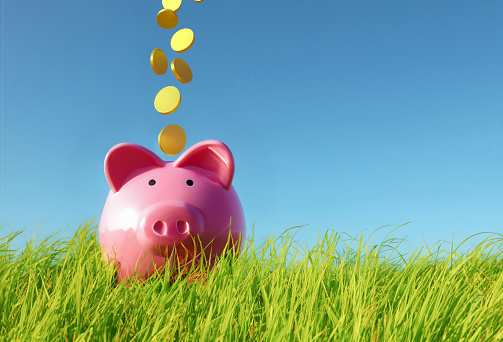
(172, 138)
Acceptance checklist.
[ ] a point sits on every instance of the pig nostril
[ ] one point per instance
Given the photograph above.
(160, 228)
(182, 227)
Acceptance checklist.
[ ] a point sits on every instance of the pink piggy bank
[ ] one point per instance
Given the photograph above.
(154, 207)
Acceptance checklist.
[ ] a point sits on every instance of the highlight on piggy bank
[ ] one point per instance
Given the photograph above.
(158, 212)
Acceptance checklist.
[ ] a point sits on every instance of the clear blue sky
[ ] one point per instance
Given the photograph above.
(340, 114)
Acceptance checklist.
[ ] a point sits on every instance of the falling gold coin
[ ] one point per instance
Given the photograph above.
(167, 100)
(172, 139)
(199, 0)
(173, 5)
(181, 70)
(158, 61)
(182, 40)
(167, 19)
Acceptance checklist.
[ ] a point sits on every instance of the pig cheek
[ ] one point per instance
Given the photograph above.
(122, 212)
(127, 218)
(115, 244)
(118, 232)
(123, 248)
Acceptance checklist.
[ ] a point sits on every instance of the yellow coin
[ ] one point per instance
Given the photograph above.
(167, 19)
(158, 61)
(199, 0)
(181, 70)
(167, 100)
(172, 139)
(173, 5)
(182, 40)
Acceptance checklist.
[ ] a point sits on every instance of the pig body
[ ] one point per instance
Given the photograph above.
(154, 207)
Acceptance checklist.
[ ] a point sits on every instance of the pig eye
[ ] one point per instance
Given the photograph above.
(190, 182)
(151, 182)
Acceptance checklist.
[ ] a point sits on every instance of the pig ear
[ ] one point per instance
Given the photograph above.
(123, 159)
(211, 155)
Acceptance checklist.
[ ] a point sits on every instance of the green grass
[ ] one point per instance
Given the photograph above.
(62, 291)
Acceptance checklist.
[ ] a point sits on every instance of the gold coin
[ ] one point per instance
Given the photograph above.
(181, 70)
(172, 139)
(167, 19)
(182, 40)
(173, 5)
(167, 100)
(199, 0)
(158, 61)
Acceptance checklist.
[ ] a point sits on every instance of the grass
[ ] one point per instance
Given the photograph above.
(62, 291)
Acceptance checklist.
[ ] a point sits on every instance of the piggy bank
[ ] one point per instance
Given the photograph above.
(158, 213)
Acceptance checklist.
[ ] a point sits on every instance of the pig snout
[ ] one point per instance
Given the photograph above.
(167, 224)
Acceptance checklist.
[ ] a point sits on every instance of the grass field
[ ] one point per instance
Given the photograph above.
(63, 291)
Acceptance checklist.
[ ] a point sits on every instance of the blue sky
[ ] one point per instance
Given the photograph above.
(340, 114)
